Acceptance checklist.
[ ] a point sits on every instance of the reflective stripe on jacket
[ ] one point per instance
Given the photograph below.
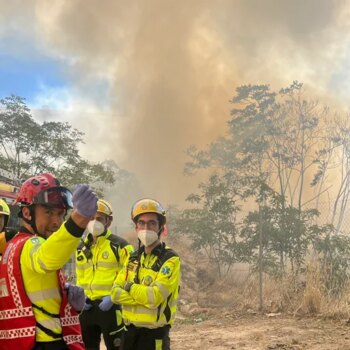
(151, 303)
(18, 322)
(2, 242)
(96, 274)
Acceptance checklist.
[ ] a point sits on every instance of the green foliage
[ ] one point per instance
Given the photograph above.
(334, 256)
(29, 148)
(275, 143)
(211, 225)
(286, 234)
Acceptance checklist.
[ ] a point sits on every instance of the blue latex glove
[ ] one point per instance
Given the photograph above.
(85, 201)
(87, 306)
(106, 303)
(76, 296)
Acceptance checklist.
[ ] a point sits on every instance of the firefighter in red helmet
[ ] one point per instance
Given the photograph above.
(38, 310)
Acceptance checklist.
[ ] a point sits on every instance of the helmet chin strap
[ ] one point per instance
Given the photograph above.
(31, 221)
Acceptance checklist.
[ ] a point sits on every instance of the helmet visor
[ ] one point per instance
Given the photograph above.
(57, 197)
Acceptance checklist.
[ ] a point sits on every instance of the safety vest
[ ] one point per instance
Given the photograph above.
(97, 264)
(152, 299)
(17, 320)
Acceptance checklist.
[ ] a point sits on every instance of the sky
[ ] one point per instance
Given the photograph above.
(146, 79)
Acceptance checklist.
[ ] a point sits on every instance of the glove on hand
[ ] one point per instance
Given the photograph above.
(106, 303)
(127, 286)
(85, 201)
(76, 297)
(87, 305)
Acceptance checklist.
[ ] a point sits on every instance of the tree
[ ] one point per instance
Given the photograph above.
(212, 225)
(279, 150)
(29, 148)
(287, 233)
(272, 147)
(334, 158)
(334, 255)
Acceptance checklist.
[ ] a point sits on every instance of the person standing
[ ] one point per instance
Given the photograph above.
(38, 310)
(99, 259)
(5, 235)
(148, 285)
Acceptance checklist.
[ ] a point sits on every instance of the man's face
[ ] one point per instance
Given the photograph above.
(48, 220)
(2, 222)
(148, 221)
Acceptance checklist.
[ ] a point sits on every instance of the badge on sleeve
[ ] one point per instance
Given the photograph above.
(35, 240)
(147, 280)
(165, 270)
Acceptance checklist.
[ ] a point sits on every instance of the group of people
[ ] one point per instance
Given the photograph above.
(128, 296)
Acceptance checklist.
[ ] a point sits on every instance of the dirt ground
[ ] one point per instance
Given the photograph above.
(260, 333)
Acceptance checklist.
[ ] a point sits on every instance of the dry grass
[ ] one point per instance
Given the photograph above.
(238, 292)
(307, 297)
(313, 293)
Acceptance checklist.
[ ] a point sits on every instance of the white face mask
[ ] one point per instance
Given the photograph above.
(95, 227)
(147, 237)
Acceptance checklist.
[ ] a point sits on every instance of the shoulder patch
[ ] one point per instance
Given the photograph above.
(35, 240)
(165, 270)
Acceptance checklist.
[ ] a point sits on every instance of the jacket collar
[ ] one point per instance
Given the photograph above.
(25, 230)
(157, 250)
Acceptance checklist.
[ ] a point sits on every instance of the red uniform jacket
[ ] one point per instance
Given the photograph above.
(17, 321)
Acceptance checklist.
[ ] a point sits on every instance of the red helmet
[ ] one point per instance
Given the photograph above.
(44, 189)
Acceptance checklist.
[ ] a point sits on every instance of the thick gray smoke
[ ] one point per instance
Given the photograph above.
(172, 66)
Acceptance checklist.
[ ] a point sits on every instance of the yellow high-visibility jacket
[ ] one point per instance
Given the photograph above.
(40, 259)
(2, 242)
(5, 236)
(151, 301)
(98, 264)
